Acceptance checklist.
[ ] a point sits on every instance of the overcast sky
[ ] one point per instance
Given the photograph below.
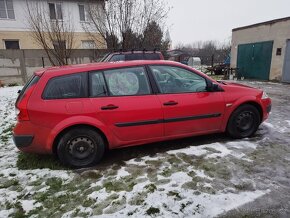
(193, 20)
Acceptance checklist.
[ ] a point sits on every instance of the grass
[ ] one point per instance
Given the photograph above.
(33, 161)
(152, 211)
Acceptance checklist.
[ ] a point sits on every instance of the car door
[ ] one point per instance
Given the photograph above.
(187, 106)
(123, 101)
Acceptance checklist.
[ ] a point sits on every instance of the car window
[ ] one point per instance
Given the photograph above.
(177, 80)
(61, 87)
(97, 85)
(127, 81)
(117, 57)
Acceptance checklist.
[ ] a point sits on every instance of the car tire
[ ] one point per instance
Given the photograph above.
(244, 122)
(81, 147)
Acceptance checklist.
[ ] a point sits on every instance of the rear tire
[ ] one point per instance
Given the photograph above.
(80, 147)
(244, 122)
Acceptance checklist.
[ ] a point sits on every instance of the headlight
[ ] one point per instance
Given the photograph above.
(265, 96)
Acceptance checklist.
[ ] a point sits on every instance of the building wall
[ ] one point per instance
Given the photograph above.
(18, 28)
(278, 32)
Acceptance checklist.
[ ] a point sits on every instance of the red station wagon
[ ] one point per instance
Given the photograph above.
(79, 111)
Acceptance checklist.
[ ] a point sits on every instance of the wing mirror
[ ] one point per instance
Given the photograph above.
(212, 87)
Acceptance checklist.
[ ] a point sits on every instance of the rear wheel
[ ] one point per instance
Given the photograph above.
(244, 121)
(81, 147)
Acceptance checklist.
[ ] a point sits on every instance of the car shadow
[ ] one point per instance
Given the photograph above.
(119, 156)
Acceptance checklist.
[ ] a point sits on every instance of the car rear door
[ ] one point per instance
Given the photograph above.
(123, 101)
(187, 106)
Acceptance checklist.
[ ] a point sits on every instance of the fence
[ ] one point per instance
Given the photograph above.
(16, 66)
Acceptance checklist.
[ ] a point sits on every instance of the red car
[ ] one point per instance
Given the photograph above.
(79, 111)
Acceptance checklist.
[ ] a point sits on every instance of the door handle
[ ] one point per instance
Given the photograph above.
(109, 107)
(170, 103)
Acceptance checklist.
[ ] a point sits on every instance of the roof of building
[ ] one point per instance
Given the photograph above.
(263, 23)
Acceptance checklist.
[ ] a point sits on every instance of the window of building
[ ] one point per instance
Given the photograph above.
(71, 86)
(11, 44)
(6, 9)
(83, 12)
(55, 12)
(88, 44)
(59, 45)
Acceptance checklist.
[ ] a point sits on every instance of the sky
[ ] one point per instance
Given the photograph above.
(195, 20)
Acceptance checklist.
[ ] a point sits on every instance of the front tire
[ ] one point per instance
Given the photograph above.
(244, 122)
(80, 147)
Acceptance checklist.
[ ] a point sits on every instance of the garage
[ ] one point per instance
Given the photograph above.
(262, 51)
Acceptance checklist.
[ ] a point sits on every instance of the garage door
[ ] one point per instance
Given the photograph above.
(254, 60)
(286, 70)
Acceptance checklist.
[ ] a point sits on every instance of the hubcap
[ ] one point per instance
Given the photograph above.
(81, 147)
(245, 121)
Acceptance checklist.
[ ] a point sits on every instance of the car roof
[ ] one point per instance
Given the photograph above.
(68, 69)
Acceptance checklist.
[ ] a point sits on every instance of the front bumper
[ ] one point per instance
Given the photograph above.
(22, 140)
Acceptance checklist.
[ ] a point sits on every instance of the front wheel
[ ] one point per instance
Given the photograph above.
(244, 121)
(80, 147)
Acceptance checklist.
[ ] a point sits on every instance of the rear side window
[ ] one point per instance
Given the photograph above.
(33, 80)
(97, 85)
(71, 86)
(127, 81)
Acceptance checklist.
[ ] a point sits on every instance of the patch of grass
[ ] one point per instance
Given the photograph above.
(152, 211)
(175, 194)
(183, 206)
(8, 129)
(118, 186)
(32, 161)
(55, 184)
(151, 188)
(9, 183)
(92, 174)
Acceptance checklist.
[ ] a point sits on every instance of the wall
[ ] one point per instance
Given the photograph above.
(278, 32)
(16, 66)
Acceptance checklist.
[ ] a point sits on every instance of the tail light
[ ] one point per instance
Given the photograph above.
(22, 100)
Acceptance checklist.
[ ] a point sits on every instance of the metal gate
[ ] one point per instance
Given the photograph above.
(254, 60)
(286, 68)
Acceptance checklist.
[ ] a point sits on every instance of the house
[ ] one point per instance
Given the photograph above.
(14, 22)
(262, 50)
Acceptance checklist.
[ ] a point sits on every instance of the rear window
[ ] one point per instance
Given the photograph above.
(33, 80)
(70, 86)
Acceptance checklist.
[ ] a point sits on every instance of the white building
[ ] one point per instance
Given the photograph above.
(14, 27)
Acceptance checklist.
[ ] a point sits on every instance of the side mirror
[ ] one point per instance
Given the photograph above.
(212, 87)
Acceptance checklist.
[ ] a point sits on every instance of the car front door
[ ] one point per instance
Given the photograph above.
(187, 106)
(123, 101)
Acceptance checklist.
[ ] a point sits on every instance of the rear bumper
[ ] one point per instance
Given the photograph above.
(22, 140)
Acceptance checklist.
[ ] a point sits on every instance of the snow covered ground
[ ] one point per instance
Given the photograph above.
(205, 176)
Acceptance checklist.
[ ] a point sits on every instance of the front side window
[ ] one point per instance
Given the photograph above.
(117, 57)
(128, 81)
(6, 9)
(55, 12)
(177, 80)
(71, 86)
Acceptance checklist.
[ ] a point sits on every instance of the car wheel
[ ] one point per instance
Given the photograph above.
(243, 122)
(80, 147)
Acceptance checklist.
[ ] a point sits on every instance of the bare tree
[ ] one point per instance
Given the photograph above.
(123, 19)
(55, 36)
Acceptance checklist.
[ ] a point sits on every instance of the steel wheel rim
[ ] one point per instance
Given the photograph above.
(245, 121)
(81, 148)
